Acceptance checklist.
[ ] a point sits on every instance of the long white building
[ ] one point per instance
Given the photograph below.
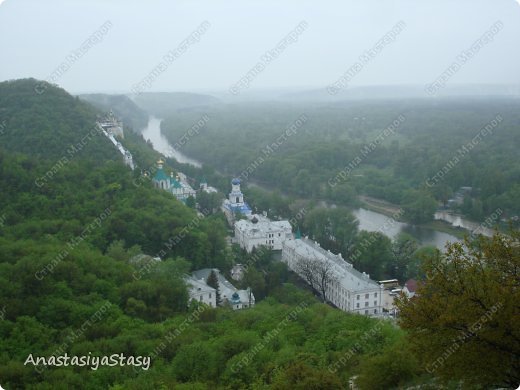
(351, 290)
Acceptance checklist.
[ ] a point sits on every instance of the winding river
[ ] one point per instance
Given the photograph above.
(152, 133)
(368, 220)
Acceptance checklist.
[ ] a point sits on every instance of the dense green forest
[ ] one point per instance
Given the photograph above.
(414, 153)
(73, 279)
(78, 235)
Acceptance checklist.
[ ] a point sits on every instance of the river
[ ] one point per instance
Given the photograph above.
(368, 220)
(373, 222)
(459, 221)
(152, 132)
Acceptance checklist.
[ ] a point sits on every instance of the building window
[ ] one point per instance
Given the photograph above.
(210, 295)
(366, 311)
(200, 299)
(375, 303)
(366, 296)
(357, 305)
(375, 295)
(357, 297)
(375, 311)
(366, 304)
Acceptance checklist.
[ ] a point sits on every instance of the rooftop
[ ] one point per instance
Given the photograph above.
(347, 275)
(226, 288)
(262, 226)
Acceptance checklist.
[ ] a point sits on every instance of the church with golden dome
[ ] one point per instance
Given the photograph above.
(176, 185)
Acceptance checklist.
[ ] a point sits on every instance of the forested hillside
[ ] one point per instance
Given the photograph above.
(73, 279)
(51, 125)
(122, 106)
(343, 150)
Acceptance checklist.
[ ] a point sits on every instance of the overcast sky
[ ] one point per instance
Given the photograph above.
(36, 36)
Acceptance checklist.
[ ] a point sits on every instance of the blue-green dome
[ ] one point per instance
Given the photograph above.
(235, 298)
(160, 175)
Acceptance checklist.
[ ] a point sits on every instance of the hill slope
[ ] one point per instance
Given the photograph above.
(122, 106)
(52, 124)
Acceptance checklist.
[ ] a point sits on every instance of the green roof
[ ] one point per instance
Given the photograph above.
(160, 175)
(174, 183)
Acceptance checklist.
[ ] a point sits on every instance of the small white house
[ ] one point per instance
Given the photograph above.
(229, 294)
(410, 287)
(199, 291)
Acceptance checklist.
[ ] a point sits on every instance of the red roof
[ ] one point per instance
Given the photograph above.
(411, 285)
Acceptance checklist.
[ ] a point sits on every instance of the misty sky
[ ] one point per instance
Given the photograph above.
(36, 36)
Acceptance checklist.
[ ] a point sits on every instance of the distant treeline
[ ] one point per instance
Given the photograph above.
(416, 154)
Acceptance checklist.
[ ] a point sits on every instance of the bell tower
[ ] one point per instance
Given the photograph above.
(236, 197)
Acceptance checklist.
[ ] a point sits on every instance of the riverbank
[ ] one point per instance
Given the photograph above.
(392, 210)
(382, 207)
(446, 227)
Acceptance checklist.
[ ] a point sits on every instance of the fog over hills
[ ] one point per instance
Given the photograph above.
(203, 46)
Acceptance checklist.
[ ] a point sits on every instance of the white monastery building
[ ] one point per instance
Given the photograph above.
(260, 230)
(175, 185)
(351, 290)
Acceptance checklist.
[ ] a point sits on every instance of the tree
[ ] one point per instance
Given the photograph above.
(209, 201)
(255, 280)
(212, 281)
(391, 368)
(372, 254)
(305, 268)
(403, 249)
(191, 202)
(335, 229)
(318, 274)
(419, 206)
(325, 276)
(464, 321)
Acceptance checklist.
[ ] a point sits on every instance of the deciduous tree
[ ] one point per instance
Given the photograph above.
(464, 321)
